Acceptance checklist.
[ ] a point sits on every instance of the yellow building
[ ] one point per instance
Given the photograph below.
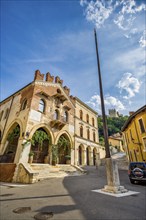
(134, 132)
(116, 141)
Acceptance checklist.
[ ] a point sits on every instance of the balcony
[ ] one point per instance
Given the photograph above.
(58, 123)
(59, 96)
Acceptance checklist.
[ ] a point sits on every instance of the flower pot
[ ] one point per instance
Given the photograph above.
(30, 160)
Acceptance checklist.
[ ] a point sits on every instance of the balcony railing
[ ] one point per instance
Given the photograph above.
(58, 122)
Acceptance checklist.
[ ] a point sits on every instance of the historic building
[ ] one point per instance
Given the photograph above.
(134, 132)
(44, 121)
(116, 142)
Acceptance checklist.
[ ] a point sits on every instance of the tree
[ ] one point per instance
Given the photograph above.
(39, 137)
(114, 125)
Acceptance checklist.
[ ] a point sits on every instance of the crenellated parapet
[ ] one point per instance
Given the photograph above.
(49, 78)
(58, 80)
(38, 76)
(67, 90)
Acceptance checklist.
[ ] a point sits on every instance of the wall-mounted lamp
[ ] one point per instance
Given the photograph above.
(27, 134)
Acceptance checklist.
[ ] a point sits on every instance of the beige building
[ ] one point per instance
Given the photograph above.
(116, 141)
(42, 119)
(86, 134)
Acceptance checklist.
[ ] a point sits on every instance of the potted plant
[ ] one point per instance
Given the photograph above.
(31, 154)
(68, 159)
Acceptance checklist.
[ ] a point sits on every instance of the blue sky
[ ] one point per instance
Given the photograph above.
(57, 37)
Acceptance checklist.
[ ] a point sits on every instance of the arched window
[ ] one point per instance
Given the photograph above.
(56, 115)
(42, 105)
(93, 122)
(81, 114)
(65, 117)
(88, 134)
(7, 113)
(94, 138)
(87, 118)
(81, 131)
(24, 104)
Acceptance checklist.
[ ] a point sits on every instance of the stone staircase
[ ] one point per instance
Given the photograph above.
(46, 171)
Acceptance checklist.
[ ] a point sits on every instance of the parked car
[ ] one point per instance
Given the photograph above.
(137, 172)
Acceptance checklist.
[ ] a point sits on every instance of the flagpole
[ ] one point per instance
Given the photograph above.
(105, 128)
(113, 181)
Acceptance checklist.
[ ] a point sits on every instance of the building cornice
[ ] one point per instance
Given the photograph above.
(132, 117)
(9, 97)
(81, 102)
(85, 141)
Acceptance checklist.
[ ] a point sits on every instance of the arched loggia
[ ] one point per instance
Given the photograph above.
(40, 143)
(64, 149)
(81, 155)
(12, 144)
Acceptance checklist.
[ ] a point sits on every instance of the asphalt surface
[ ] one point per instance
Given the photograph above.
(72, 198)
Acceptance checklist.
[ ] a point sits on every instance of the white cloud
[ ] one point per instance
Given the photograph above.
(133, 61)
(97, 12)
(127, 14)
(124, 13)
(142, 40)
(129, 84)
(109, 101)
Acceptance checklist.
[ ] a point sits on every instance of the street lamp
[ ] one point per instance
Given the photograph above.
(113, 182)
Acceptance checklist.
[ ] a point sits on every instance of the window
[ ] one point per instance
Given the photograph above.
(24, 104)
(88, 134)
(131, 135)
(7, 113)
(141, 125)
(94, 138)
(65, 117)
(56, 115)
(42, 105)
(144, 141)
(87, 118)
(81, 131)
(81, 114)
(93, 122)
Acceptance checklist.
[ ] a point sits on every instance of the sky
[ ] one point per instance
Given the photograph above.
(57, 36)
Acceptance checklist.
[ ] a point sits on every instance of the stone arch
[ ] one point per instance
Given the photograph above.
(64, 145)
(11, 143)
(88, 155)
(81, 154)
(45, 127)
(67, 134)
(11, 126)
(41, 151)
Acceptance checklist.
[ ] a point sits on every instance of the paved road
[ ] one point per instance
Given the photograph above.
(72, 198)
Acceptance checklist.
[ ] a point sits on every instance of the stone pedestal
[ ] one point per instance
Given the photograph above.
(113, 182)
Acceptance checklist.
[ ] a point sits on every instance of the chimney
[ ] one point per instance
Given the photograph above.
(49, 78)
(58, 80)
(67, 90)
(131, 113)
(38, 75)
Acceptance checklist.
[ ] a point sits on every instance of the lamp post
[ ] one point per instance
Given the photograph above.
(113, 182)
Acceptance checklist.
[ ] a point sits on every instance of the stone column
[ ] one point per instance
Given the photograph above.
(113, 182)
(84, 157)
(25, 152)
